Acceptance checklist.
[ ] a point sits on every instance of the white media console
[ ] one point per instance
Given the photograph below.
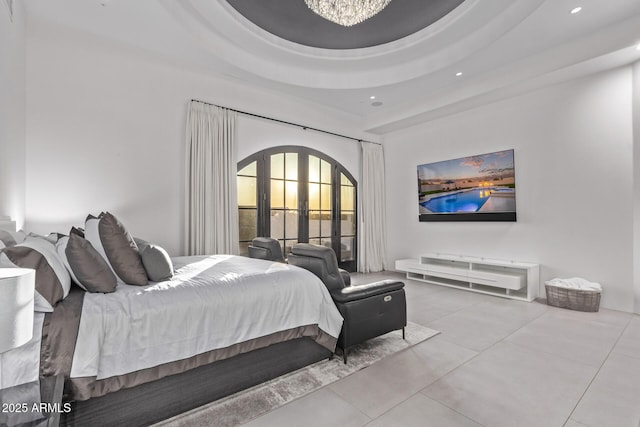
(509, 279)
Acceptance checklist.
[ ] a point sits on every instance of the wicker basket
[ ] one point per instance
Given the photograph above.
(573, 299)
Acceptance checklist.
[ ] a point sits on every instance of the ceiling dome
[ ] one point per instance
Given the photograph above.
(292, 20)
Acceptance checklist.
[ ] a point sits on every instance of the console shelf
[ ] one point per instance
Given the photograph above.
(504, 278)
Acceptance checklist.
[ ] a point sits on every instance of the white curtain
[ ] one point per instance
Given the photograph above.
(211, 217)
(373, 230)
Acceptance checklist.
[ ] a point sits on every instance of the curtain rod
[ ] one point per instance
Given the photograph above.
(288, 123)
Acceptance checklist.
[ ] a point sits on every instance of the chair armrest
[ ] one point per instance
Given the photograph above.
(259, 253)
(346, 277)
(355, 293)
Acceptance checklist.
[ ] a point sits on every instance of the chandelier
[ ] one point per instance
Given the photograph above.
(347, 12)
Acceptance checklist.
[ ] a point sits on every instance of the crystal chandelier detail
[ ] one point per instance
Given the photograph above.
(347, 12)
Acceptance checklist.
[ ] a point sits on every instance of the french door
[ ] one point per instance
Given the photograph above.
(297, 194)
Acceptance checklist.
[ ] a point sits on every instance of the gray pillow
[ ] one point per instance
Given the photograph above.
(10, 238)
(7, 239)
(87, 267)
(111, 239)
(156, 261)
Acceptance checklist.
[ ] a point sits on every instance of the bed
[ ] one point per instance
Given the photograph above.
(223, 323)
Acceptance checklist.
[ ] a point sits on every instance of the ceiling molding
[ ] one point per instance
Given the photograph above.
(616, 47)
(472, 26)
(502, 47)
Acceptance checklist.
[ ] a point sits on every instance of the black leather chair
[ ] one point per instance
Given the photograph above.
(368, 310)
(266, 248)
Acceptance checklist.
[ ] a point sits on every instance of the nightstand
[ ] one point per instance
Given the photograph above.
(38, 403)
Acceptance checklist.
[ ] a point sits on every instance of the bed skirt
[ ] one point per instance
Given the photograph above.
(172, 395)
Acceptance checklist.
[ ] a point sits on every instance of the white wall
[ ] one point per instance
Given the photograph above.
(636, 184)
(106, 130)
(574, 175)
(257, 134)
(12, 113)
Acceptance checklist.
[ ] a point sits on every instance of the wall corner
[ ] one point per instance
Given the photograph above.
(635, 87)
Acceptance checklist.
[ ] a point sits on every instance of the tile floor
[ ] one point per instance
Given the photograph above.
(497, 362)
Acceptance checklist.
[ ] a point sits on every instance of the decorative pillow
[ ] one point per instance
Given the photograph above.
(54, 237)
(52, 279)
(156, 261)
(112, 240)
(51, 237)
(6, 239)
(10, 238)
(87, 267)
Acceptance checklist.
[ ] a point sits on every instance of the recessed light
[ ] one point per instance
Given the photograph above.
(459, 73)
(372, 97)
(376, 104)
(576, 10)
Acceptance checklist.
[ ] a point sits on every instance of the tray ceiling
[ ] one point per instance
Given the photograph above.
(292, 20)
(417, 67)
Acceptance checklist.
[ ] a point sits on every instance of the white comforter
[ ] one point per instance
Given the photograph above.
(211, 303)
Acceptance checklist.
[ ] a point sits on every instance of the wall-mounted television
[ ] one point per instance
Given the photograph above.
(474, 188)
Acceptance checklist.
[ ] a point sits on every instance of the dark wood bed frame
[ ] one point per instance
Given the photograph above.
(158, 400)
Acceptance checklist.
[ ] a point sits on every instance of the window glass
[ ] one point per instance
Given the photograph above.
(277, 165)
(248, 223)
(314, 224)
(249, 170)
(346, 249)
(244, 248)
(288, 244)
(291, 224)
(314, 196)
(347, 224)
(277, 224)
(325, 224)
(291, 195)
(325, 196)
(314, 169)
(246, 191)
(344, 180)
(291, 164)
(325, 172)
(347, 198)
(277, 194)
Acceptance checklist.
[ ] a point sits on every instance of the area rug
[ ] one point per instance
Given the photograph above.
(246, 405)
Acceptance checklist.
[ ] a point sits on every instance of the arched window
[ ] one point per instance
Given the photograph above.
(297, 194)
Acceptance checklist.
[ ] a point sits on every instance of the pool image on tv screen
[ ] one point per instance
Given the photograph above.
(474, 188)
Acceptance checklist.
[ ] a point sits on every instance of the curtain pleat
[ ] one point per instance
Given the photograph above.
(373, 230)
(211, 217)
